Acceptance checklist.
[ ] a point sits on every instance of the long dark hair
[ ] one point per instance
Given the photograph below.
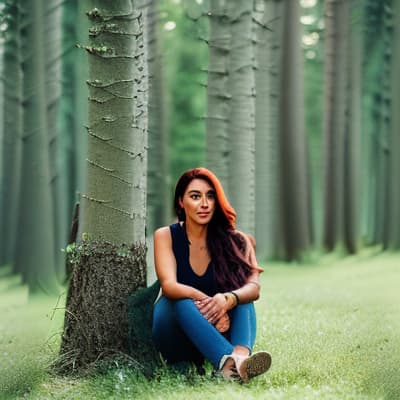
(227, 247)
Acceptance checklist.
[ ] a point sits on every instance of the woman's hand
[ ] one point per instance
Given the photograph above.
(212, 308)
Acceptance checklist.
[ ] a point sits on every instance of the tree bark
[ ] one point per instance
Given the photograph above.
(158, 196)
(218, 95)
(110, 263)
(295, 196)
(268, 20)
(35, 236)
(336, 17)
(12, 123)
(241, 185)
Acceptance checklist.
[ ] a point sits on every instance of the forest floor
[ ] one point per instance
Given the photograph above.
(333, 329)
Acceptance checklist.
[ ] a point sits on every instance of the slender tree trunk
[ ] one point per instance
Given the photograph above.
(12, 123)
(218, 95)
(110, 264)
(393, 234)
(35, 236)
(241, 188)
(53, 53)
(268, 19)
(389, 121)
(294, 167)
(159, 205)
(336, 17)
(352, 140)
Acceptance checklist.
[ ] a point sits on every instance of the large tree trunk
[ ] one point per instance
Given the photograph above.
(35, 236)
(110, 263)
(295, 194)
(12, 124)
(241, 187)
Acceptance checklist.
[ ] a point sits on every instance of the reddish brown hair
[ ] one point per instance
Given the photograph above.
(227, 247)
(223, 204)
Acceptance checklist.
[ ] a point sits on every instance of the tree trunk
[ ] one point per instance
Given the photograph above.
(35, 236)
(268, 17)
(336, 16)
(53, 52)
(158, 195)
(295, 194)
(218, 96)
(391, 236)
(110, 263)
(241, 188)
(12, 124)
(393, 241)
(352, 140)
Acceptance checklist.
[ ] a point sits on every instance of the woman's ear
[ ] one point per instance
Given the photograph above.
(181, 202)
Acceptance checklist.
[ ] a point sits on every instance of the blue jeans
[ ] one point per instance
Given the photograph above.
(181, 333)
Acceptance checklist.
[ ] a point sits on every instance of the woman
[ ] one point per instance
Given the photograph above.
(209, 278)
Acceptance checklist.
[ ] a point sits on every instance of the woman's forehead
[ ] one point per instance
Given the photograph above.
(199, 185)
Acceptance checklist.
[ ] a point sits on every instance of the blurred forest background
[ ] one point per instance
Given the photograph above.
(293, 104)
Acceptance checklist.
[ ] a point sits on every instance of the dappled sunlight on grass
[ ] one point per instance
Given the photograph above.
(332, 327)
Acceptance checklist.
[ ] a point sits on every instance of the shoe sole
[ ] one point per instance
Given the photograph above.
(255, 365)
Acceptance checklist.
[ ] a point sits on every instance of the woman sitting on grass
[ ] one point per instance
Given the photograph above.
(209, 278)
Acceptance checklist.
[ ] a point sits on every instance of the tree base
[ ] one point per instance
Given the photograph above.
(96, 315)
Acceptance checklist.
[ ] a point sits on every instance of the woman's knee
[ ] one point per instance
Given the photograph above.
(183, 306)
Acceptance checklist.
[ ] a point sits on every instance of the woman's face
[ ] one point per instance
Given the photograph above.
(199, 202)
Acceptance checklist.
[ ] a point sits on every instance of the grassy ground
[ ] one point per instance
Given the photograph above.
(333, 331)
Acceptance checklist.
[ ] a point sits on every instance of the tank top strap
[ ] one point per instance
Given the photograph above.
(180, 244)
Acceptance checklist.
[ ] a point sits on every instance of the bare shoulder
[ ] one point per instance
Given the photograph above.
(162, 233)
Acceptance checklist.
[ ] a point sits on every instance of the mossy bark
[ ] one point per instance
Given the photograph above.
(96, 317)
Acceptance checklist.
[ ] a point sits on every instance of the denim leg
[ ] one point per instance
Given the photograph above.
(243, 325)
(211, 343)
(169, 338)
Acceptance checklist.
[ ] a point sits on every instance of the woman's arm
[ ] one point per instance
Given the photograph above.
(165, 265)
(214, 307)
(250, 291)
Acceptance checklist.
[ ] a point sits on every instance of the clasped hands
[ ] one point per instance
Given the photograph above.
(214, 309)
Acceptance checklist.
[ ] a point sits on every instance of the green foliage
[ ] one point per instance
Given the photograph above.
(185, 59)
(333, 331)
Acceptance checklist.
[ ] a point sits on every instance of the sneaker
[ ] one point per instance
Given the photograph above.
(252, 366)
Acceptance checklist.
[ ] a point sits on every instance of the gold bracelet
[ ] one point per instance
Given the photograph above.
(236, 297)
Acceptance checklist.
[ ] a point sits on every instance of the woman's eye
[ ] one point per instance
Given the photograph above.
(195, 196)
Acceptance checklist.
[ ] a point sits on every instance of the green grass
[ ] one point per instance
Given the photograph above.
(333, 330)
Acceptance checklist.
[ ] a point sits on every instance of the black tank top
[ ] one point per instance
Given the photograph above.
(185, 274)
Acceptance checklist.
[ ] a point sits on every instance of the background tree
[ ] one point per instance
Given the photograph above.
(294, 178)
(335, 100)
(12, 126)
(268, 30)
(352, 132)
(52, 18)
(374, 147)
(218, 95)
(35, 228)
(158, 194)
(241, 126)
(392, 234)
(110, 263)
